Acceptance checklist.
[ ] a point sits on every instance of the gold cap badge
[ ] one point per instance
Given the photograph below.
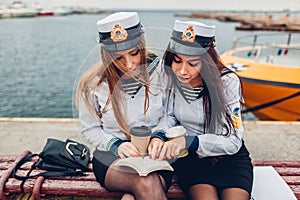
(118, 34)
(189, 34)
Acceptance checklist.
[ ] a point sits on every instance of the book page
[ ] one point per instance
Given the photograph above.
(144, 165)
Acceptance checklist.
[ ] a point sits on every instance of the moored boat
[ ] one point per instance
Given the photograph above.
(45, 12)
(270, 75)
(17, 10)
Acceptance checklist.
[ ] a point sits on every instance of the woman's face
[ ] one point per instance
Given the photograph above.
(187, 69)
(128, 60)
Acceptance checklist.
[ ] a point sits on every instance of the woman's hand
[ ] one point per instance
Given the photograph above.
(127, 149)
(155, 147)
(172, 148)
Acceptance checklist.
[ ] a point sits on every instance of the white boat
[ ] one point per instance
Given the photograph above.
(61, 12)
(17, 9)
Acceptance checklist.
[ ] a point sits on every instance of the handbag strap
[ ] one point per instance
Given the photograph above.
(44, 174)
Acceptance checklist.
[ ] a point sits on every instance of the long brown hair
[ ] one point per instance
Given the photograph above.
(107, 71)
(214, 103)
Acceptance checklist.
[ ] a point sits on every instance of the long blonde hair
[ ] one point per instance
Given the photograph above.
(107, 71)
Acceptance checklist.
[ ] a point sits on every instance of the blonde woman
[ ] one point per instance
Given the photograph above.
(121, 92)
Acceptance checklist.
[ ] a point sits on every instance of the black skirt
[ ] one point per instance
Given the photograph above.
(229, 171)
(103, 159)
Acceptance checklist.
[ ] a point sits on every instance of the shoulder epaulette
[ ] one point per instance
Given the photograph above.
(226, 72)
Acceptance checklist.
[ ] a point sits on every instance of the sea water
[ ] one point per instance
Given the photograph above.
(41, 58)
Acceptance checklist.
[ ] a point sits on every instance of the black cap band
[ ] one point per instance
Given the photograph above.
(199, 40)
(133, 38)
(199, 46)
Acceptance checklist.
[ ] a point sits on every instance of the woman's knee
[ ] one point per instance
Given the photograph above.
(235, 194)
(127, 196)
(150, 187)
(150, 182)
(203, 191)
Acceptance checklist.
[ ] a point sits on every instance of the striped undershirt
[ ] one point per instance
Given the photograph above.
(191, 94)
(132, 86)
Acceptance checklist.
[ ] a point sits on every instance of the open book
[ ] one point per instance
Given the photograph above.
(144, 165)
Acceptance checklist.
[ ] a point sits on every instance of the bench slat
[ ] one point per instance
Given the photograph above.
(7, 158)
(89, 176)
(288, 171)
(5, 165)
(276, 163)
(13, 186)
(292, 180)
(28, 185)
(91, 188)
(70, 187)
(296, 190)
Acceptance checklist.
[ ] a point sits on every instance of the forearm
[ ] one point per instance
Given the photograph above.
(207, 145)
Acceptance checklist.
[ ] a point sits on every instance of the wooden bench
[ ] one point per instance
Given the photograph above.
(86, 187)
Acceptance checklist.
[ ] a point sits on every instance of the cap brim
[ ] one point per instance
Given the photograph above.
(112, 47)
(186, 49)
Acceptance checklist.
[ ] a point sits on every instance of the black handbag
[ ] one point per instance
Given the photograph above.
(59, 158)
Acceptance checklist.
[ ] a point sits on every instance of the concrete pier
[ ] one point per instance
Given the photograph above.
(265, 140)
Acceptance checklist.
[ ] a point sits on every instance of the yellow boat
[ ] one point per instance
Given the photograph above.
(270, 75)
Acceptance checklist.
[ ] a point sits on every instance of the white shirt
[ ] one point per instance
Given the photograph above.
(99, 134)
(191, 116)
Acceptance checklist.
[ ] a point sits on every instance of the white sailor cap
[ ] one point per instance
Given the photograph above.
(119, 31)
(192, 38)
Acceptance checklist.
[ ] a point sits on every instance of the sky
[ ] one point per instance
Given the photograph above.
(259, 5)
